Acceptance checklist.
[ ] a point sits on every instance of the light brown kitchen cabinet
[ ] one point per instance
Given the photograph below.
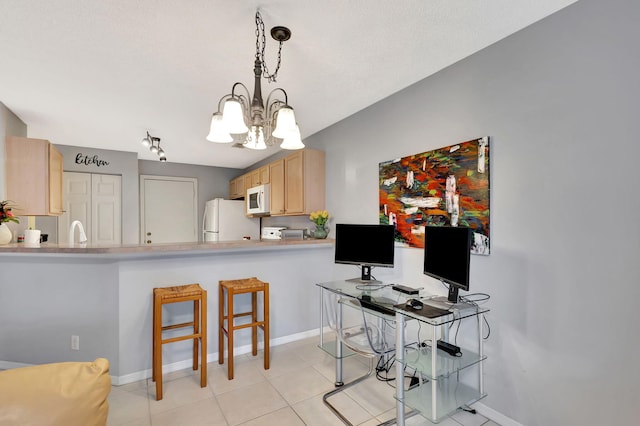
(257, 177)
(253, 178)
(298, 183)
(264, 175)
(294, 183)
(232, 189)
(236, 188)
(247, 182)
(33, 176)
(276, 175)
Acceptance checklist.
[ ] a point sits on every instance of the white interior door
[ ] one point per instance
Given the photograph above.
(95, 200)
(168, 209)
(76, 196)
(106, 217)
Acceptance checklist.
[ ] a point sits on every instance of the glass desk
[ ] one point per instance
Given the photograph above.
(442, 393)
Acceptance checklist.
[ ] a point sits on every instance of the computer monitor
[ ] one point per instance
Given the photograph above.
(447, 256)
(365, 246)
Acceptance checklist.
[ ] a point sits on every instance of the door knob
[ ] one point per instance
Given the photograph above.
(148, 233)
(148, 241)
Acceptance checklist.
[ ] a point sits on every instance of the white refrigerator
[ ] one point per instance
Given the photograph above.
(226, 220)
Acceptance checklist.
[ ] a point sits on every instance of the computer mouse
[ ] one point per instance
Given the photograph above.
(414, 303)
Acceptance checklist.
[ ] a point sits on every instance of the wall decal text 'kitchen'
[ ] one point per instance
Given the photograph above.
(88, 161)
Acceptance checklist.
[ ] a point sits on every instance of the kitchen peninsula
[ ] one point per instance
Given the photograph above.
(104, 296)
(168, 249)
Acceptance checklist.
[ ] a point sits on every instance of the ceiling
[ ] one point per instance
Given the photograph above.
(101, 73)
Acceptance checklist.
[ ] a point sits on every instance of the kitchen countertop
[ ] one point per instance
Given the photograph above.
(144, 250)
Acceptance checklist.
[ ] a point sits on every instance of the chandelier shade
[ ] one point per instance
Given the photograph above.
(285, 122)
(243, 113)
(233, 117)
(292, 140)
(255, 139)
(218, 131)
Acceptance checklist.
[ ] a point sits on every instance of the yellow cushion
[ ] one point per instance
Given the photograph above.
(67, 393)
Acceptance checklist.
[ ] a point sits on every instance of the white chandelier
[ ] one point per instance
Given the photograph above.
(261, 124)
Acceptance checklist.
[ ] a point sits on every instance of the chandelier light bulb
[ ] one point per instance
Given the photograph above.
(161, 153)
(153, 149)
(145, 142)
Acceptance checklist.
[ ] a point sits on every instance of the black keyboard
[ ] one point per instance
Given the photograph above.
(426, 311)
(378, 304)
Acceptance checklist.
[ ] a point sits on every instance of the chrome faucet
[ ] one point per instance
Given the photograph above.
(82, 237)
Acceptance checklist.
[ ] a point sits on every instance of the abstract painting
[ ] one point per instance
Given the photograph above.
(448, 186)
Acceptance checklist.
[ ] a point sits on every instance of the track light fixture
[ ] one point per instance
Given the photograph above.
(243, 114)
(153, 144)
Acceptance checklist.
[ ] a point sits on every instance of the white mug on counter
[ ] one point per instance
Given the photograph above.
(32, 237)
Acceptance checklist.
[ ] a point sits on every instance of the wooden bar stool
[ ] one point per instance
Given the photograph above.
(233, 287)
(176, 294)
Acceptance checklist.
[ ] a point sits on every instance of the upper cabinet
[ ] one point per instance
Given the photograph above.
(298, 183)
(236, 188)
(257, 177)
(263, 175)
(33, 176)
(276, 175)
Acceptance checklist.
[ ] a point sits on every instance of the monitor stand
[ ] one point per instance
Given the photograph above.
(444, 302)
(365, 277)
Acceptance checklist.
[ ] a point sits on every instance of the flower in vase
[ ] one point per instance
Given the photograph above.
(319, 217)
(6, 215)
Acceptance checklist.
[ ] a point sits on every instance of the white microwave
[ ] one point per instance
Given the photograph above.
(259, 200)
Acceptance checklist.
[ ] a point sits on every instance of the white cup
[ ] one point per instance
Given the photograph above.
(32, 237)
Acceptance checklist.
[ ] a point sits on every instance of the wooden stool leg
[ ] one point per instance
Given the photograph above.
(153, 345)
(230, 332)
(203, 341)
(220, 324)
(157, 333)
(254, 319)
(196, 330)
(265, 328)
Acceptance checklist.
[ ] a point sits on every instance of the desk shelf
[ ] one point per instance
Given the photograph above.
(450, 394)
(444, 392)
(330, 348)
(420, 360)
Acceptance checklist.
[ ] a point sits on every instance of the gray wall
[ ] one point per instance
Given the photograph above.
(45, 302)
(560, 102)
(213, 182)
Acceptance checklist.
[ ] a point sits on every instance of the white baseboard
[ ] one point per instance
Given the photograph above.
(211, 357)
(494, 415)
(181, 365)
(8, 365)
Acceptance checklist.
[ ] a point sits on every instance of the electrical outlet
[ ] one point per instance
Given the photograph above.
(75, 343)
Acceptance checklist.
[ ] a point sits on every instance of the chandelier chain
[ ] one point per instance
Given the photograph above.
(261, 43)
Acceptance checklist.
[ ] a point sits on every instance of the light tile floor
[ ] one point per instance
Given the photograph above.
(288, 394)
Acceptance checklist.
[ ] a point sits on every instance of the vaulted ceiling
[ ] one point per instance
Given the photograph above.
(101, 73)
